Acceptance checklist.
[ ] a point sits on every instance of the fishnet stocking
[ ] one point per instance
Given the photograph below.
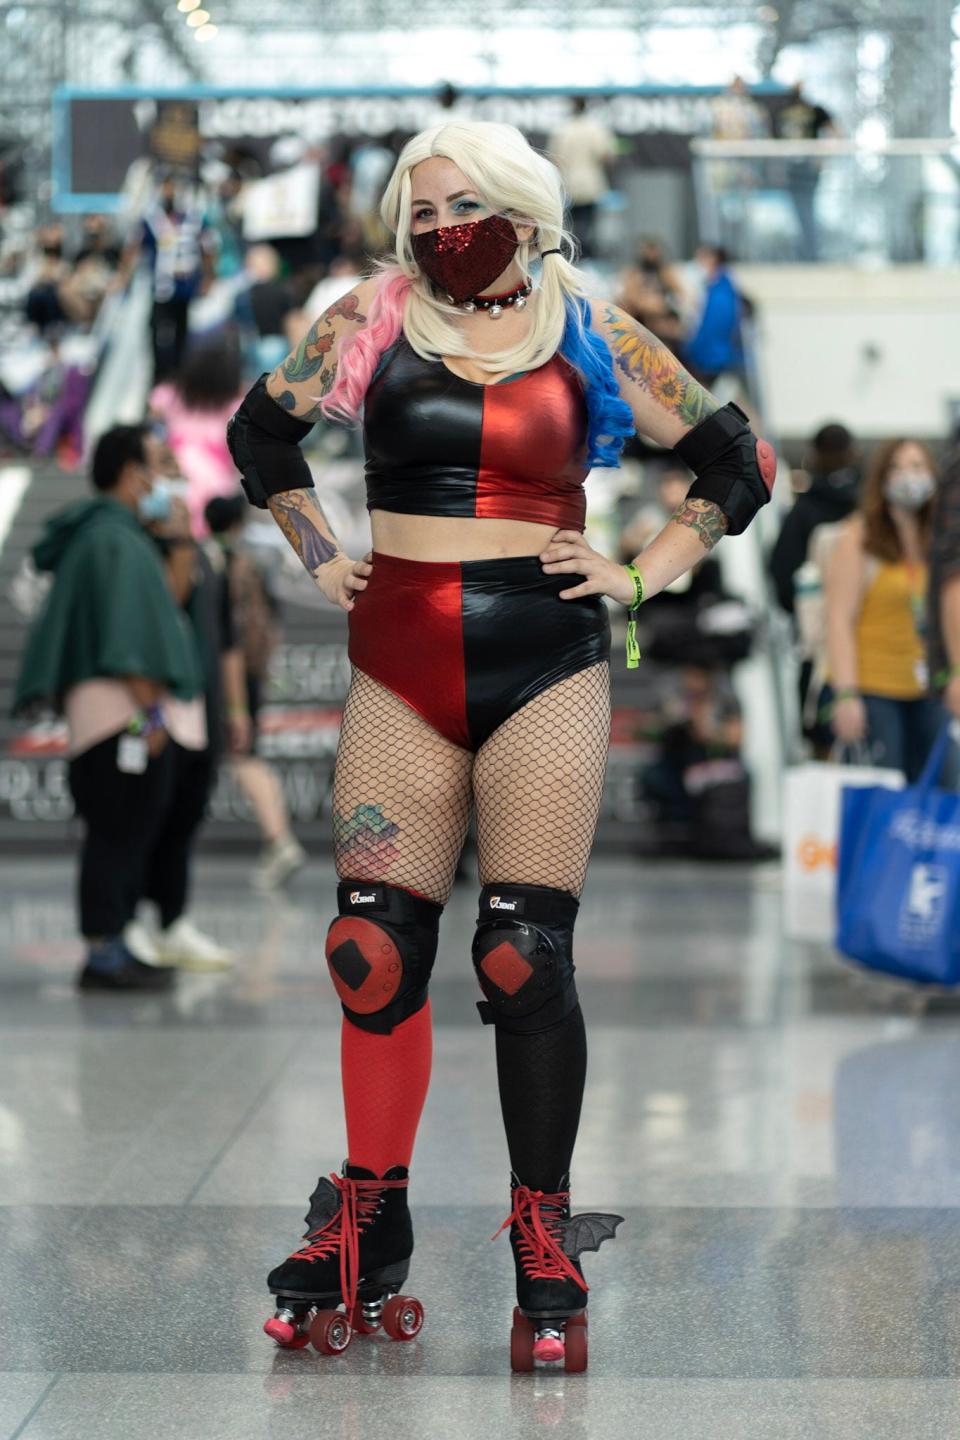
(401, 804)
(537, 784)
(402, 791)
(401, 796)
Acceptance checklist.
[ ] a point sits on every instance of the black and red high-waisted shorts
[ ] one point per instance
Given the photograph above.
(466, 644)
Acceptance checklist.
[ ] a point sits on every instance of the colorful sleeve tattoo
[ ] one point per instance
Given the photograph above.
(705, 518)
(647, 362)
(302, 521)
(313, 361)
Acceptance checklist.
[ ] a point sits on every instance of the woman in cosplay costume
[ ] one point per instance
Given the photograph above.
(479, 643)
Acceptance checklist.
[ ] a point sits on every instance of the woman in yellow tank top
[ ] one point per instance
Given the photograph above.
(876, 587)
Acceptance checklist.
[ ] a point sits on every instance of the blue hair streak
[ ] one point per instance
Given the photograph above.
(609, 418)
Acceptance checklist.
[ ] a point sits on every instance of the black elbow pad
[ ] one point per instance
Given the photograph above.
(264, 440)
(733, 468)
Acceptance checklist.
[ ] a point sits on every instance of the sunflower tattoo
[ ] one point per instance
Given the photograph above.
(648, 363)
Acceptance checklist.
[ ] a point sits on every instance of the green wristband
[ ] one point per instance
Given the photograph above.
(848, 692)
(633, 649)
(638, 587)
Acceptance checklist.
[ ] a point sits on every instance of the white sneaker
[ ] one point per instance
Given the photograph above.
(141, 944)
(278, 862)
(184, 945)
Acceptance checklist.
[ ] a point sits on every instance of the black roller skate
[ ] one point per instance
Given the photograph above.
(550, 1318)
(359, 1242)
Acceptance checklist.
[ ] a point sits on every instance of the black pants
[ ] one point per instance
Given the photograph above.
(167, 875)
(168, 332)
(139, 831)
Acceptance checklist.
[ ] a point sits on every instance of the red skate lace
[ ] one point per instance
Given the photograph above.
(359, 1200)
(538, 1235)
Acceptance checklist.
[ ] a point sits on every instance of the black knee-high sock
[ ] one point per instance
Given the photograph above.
(541, 1079)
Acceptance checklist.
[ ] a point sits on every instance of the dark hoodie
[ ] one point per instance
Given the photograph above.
(109, 613)
(832, 496)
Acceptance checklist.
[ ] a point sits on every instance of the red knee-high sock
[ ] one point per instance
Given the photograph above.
(385, 1079)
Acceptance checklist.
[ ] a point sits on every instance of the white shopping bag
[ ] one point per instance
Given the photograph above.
(811, 824)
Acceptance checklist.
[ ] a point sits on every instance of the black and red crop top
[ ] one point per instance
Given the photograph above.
(437, 444)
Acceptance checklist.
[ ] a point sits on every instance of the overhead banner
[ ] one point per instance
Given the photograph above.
(98, 136)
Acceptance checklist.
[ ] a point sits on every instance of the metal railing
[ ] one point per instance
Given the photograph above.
(832, 201)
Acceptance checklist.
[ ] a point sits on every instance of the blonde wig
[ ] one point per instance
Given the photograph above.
(513, 180)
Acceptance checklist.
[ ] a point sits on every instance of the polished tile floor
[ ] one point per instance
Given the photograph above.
(784, 1144)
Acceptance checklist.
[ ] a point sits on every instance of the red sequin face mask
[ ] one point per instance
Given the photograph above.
(464, 259)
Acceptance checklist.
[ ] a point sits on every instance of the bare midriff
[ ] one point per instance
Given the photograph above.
(447, 538)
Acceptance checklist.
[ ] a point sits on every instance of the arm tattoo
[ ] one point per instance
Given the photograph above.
(705, 517)
(648, 363)
(310, 356)
(302, 521)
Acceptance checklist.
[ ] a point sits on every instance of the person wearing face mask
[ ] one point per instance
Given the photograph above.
(112, 651)
(479, 642)
(197, 729)
(876, 596)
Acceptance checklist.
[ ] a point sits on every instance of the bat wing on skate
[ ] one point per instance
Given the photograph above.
(323, 1206)
(588, 1232)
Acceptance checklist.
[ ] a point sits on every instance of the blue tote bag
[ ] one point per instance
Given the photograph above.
(898, 877)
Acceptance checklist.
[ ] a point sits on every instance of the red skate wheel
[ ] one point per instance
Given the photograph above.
(402, 1317)
(359, 1324)
(287, 1336)
(521, 1344)
(548, 1348)
(575, 1346)
(330, 1332)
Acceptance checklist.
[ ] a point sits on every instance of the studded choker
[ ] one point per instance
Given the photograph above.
(496, 304)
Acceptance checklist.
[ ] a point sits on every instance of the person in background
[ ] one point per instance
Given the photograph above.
(203, 735)
(265, 306)
(98, 243)
(801, 119)
(652, 292)
(44, 305)
(736, 116)
(716, 344)
(179, 247)
(111, 650)
(343, 274)
(825, 492)
(943, 631)
(876, 595)
(833, 468)
(254, 622)
(95, 267)
(47, 418)
(583, 149)
(698, 785)
(194, 411)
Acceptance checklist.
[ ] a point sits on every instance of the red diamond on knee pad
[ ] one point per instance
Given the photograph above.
(365, 964)
(506, 968)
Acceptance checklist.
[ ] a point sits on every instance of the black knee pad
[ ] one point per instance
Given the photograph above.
(523, 956)
(380, 951)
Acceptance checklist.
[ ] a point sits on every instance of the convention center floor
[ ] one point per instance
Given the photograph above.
(784, 1145)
